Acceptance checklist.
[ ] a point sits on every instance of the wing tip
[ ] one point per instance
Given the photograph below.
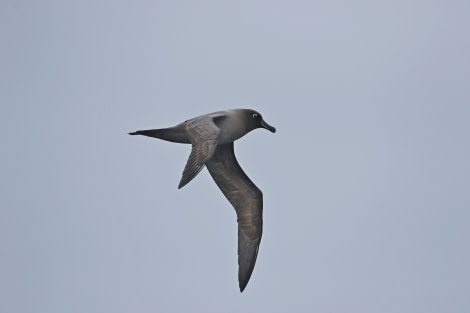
(246, 267)
(189, 173)
(181, 184)
(242, 286)
(244, 279)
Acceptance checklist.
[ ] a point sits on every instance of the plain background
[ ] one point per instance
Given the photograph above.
(366, 182)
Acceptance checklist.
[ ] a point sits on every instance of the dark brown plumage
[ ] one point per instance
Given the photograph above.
(212, 136)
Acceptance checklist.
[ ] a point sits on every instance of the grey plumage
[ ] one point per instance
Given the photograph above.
(212, 136)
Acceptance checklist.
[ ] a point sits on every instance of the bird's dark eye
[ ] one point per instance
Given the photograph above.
(255, 115)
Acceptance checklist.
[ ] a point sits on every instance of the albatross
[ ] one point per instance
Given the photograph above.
(212, 136)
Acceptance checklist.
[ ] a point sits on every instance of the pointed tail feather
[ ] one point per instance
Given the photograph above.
(174, 134)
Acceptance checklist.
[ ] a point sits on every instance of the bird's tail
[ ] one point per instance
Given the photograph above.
(174, 134)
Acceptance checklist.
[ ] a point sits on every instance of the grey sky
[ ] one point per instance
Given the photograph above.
(366, 182)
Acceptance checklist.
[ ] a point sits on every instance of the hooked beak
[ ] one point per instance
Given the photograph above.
(268, 127)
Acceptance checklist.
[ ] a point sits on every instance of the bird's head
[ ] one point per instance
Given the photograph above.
(255, 120)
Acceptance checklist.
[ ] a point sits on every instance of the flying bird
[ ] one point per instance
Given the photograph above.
(212, 136)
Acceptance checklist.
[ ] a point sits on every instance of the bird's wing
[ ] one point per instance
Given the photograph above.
(203, 134)
(247, 200)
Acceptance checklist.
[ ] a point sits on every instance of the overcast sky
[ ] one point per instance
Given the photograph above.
(366, 181)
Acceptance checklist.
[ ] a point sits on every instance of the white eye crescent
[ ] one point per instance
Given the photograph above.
(255, 115)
